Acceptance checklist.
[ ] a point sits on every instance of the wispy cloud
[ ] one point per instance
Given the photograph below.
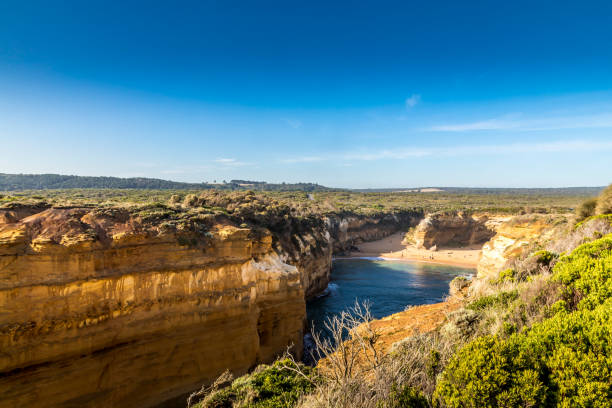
(518, 123)
(511, 148)
(413, 101)
(294, 123)
(230, 162)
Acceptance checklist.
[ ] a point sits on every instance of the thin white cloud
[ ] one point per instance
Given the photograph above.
(231, 162)
(294, 123)
(515, 122)
(511, 148)
(413, 101)
(491, 124)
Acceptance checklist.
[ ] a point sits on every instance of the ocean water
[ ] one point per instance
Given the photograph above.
(388, 286)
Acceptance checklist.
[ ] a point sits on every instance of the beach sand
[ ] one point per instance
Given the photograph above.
(392, 247)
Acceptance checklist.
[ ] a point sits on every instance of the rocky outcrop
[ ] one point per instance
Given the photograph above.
(348, 231)
(100, 308)
(453, 230)
(510, 240)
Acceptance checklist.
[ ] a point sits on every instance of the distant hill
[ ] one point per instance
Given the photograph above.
(569, 191)
(17, 182)
(20, 182)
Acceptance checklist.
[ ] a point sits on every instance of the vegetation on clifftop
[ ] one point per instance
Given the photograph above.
(279, 385)
(537, 335)
(563, 361)
(319, 202)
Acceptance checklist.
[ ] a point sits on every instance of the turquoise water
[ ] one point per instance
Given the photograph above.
(389, 286)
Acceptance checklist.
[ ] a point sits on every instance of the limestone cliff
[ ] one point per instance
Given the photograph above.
(101, 307)
(510, 239)
(347, 231)
(453, 229)
(100, 311)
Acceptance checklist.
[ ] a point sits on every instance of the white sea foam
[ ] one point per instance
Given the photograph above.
(330, 290)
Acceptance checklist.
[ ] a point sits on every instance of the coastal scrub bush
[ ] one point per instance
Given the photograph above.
(269, 386)
(604, 201)
(500, 299)
(507, 275)
(562, 361)
(605, 217)
(531, 263)
(585, 231)
(544, 258)
(487, 373)
(587, 273)
(586, 209)
(402, 397)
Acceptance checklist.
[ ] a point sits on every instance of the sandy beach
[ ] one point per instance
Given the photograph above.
(392, 247)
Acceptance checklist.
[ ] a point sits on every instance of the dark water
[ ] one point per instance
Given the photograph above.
(389, 286)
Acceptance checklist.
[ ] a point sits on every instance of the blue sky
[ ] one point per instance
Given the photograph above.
(349, 94)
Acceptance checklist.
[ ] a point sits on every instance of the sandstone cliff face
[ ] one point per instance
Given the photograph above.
(101, 309)
(456, 230)
(511, 238)
(351, 230)
(99, 312)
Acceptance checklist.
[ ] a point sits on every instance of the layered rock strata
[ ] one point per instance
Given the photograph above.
(99, 308)
(453, 230)
(510, 240)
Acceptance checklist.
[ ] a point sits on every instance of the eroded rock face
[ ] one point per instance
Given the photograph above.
(133, 317)
(511, 238)
(452, 229)
(99, 309)
(350, 231)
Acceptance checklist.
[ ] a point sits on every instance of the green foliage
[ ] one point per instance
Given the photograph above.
(587, 273)
(502, 299)
(273, 386)
(507, 275)
(320, 201)
(13, 182)
(606, 217)
(586, 209)
(403, 397)
(486, 373)
(563, 361)
(604, 201)
(544, 258)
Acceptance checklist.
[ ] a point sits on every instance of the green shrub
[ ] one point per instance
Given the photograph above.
(563, 361)
(604, 201)
(544, 258)
(586, 209)
(606, 217)
(507, 275)
(587, 273)
(403, 397)
(272, 386)
(501, 299)
(487, 373)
